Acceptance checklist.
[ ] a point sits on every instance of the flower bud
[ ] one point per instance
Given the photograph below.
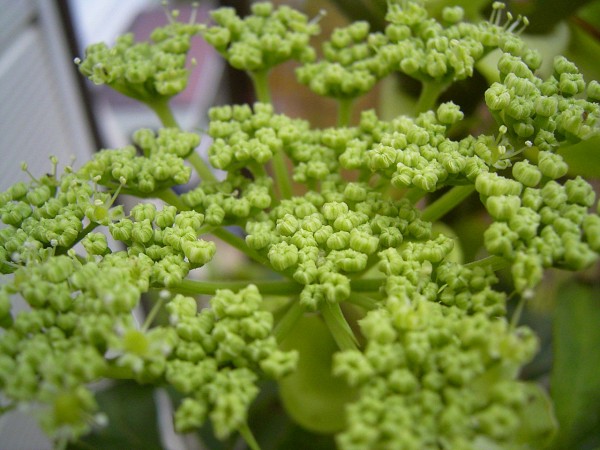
(526, 173)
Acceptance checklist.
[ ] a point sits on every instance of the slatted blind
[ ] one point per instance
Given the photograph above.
(41, 113)
(40, 108)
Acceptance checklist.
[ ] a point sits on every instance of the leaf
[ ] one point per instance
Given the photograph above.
(132, 419)
(312, 396)
(575, 384)
(583, 158)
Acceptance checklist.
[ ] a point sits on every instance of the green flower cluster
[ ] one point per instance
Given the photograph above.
(148, 72)
(219, 354)
(167, 237)
(161, 166)
(249, 138)
(264, 39)
(324, 239)
(539, 227)
(413, 152)
(351, 66)
(413, 43)
(543, 113)
(427, 353)
(78, 310)
(437, 370)
(48, 216)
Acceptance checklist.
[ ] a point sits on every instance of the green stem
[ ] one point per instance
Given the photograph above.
(247, 435)
(344, 111)
(193, 287)
(288, 320)
(495, 262)
(446, 202)
(201, 167)
(83, 233)
(367, 285)
(414, 194)
(338, 326)
(162, 109)
(514, 320)
(260, 80)
(170, 197)
(429, 94)
(153, 313)
(240, 244)
(282, 177)
(363, 301)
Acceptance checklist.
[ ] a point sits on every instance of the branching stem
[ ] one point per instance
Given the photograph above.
(446, 202)
(429, 94)
(338, 326)
(288, 320)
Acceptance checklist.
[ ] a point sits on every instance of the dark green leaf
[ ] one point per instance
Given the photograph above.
(583, 158)
(575, 384)
(132, 420)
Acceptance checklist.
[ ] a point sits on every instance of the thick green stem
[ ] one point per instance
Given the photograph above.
(201, 167)
(247, 435)
(344, 111)
(367, 285)
(260, 80)
(338, 327)
(363, 301)
(429, 95)
(162, 109)
(516, 317)
(446, 202)
(170, 197)
(282, 176)
(194, 287)
(237, 242)
(289, 319)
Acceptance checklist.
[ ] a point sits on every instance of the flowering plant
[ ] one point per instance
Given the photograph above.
(355, 297)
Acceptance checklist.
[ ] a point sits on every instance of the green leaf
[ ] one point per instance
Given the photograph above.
(575, 384)
(132, 419)
(312, 396)
(583, 158)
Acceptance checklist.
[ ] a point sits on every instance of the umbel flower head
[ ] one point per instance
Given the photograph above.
(149, 71)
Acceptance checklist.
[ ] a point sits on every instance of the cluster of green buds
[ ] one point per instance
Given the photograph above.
(543, 113)
(218, 356)
(325, 239)
(266, 38)
(148, 72)
(167, 237)
(160, 167)
(77, 311)
(435, 368)
(539, 227)
(351, 66)
(428, 356)
(47, 216)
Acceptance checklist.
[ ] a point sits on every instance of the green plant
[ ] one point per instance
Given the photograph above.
(355, 296)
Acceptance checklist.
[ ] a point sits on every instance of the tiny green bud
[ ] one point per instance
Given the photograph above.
(552, 165)
(526, 173)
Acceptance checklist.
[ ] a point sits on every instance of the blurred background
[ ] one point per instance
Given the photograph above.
(47, 108)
